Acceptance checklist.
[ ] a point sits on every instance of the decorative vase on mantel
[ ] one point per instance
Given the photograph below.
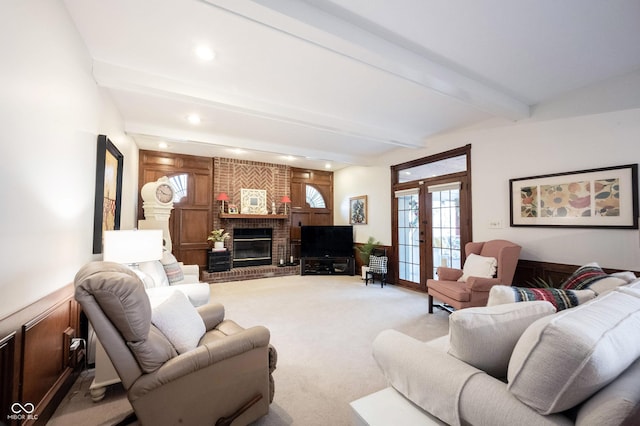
(218, 245)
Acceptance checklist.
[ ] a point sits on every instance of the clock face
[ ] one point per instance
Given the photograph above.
(164, 193)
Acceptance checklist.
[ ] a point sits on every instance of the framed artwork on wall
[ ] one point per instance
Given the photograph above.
(253, 201)
(358, 210)
(108, 199)
(595, 198)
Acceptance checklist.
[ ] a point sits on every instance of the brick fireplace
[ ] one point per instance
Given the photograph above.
(230, 176)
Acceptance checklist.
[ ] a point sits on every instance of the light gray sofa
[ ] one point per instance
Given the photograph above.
(162, 277)
(525, 364)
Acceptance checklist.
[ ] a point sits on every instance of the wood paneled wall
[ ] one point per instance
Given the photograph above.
(36, 364)
(192, 217)
(301, 213)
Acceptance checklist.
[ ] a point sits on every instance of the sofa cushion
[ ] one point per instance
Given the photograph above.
(615, 403)
(155, 271)
(561, 299)
(592, 277)
(179, 321)
(631, 290)
(171, 268)
(564, 358)
(478, 266)
(484, 337)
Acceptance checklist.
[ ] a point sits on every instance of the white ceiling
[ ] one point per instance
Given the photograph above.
(343, 81)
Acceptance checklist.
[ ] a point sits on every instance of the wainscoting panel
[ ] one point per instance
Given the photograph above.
(36, 364)
(528, 270)
(7, 350)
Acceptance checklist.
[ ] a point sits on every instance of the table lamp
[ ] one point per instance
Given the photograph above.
(222, 197)
(132, 247)
(285, 199)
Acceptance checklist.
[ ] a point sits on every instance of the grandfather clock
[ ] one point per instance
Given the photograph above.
(157, 203)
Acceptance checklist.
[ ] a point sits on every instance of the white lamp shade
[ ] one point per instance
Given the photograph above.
(132, 247)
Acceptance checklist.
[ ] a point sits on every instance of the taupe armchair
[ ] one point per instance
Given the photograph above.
(226, 378)
(475, 290)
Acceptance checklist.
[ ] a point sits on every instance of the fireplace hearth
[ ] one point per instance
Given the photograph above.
(252, 247)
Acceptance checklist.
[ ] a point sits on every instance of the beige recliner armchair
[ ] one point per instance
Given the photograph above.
(225, 379)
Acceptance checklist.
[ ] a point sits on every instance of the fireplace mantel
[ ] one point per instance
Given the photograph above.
(253, 216)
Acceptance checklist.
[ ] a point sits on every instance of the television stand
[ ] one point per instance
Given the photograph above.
(327, 266)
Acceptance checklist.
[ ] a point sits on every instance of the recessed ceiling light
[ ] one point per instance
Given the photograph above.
(194, 119)
(205, 53)
(163, 145)
(289, 157)
(327, 166)
(237, 151)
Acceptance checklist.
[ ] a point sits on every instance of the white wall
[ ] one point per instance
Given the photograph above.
(374, 182)
(502, 151)
(51, 112)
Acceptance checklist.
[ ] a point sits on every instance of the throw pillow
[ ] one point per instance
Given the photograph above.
(485, 337)
(592, 277)
(172, 268)
(179, 321)
(563, 359)
(378, 264)
(561, 299)
(478, 266)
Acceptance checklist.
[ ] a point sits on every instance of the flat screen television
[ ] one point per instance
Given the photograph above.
(326, 241)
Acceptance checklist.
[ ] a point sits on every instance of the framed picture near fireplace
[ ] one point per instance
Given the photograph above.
(358, 210)
(253, 201)
(109, 169)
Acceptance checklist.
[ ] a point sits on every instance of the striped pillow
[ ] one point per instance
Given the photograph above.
(592, 277)
(560, 299)
(583, 277)
(172, 268)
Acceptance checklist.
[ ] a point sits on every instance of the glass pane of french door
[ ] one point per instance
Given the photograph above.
(445, 228)
(408, 238)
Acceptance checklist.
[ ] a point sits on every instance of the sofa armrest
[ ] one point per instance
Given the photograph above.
(481, 284)
(425, 375)
(448, 274)
(203, 356)
(485, 400)
(191, 273)
(212, 314)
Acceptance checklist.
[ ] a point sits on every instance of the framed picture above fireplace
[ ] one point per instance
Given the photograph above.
(253, 201)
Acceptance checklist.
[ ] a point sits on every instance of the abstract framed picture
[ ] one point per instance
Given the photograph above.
(595, 198)
(358, 210)
(109, 170)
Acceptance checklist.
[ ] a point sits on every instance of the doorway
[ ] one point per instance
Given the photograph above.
(431, 215)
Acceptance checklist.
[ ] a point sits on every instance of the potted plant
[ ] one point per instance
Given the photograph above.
(218, 236)
(364, 251)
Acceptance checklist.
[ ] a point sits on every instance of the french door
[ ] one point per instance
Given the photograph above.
(431, 215)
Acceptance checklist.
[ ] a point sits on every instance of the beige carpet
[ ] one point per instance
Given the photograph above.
(321, 326)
